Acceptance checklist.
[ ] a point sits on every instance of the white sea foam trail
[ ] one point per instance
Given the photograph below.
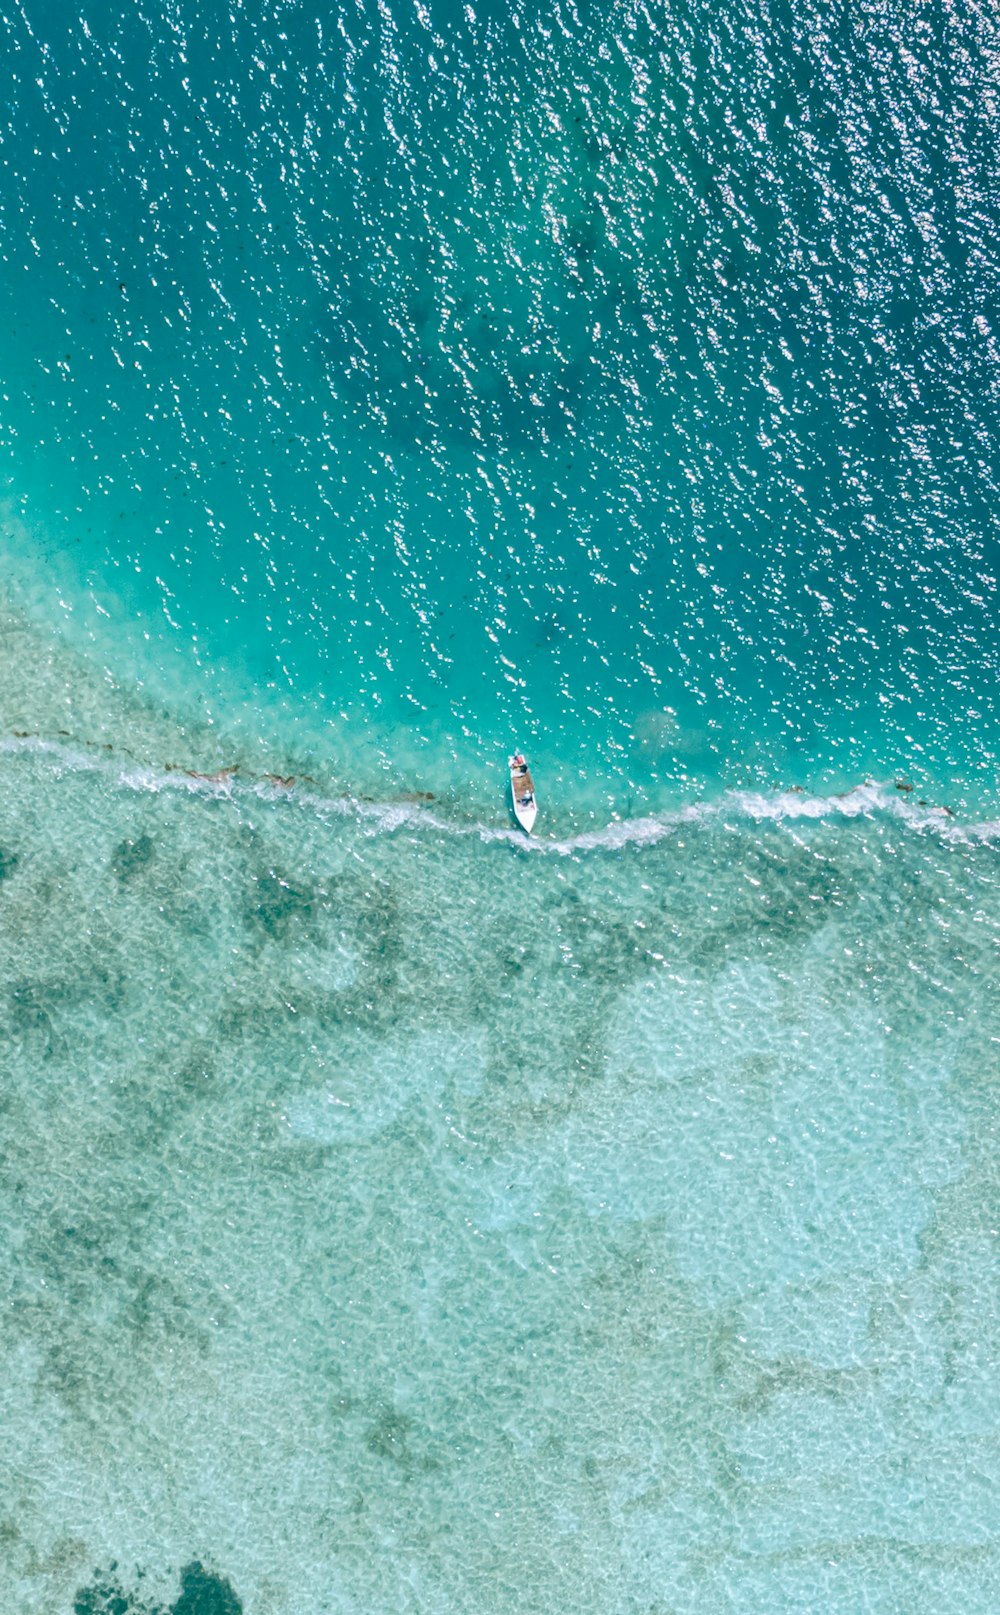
(869, 799)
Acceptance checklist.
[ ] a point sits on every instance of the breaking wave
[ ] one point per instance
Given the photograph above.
(868, 799)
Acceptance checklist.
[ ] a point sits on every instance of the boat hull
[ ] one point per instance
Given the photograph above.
(522, 796)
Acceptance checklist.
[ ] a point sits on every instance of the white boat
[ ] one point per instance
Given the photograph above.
(522, 793)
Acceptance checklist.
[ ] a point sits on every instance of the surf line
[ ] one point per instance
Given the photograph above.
(412, 809)
(93, 753)
(103, 757)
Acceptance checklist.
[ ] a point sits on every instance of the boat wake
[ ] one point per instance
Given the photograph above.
(868, 800)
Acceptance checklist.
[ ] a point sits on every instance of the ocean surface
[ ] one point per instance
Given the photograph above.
(399, 1216)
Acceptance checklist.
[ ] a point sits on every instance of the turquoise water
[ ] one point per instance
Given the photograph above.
(399, 1215)
(628, 382)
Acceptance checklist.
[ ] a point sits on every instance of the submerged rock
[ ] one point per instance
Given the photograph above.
(204, 1593)
(107, 1596)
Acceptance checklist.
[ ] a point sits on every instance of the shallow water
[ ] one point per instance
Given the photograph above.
(625, 1245)
(398, 1215)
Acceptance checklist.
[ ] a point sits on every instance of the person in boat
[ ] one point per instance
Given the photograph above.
(524, 785)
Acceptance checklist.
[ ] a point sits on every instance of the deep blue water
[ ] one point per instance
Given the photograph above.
(398, 1217)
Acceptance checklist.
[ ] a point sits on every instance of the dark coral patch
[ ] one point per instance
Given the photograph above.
(389, 1437)
(204, 1593)
(277, 905)
(30, 1003)
(8, 863)
(131, 856)
(107, 1596)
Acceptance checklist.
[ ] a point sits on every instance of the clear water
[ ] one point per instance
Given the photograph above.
(398, 1215)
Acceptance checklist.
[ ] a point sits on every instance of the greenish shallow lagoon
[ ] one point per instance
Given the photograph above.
(403, 1216)
(397, 1216)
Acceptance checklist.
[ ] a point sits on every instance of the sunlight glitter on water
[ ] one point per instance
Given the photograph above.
(399, 1215)
(420, 387)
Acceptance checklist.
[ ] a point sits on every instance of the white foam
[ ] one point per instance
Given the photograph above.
(151, 779)
(869, 799)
